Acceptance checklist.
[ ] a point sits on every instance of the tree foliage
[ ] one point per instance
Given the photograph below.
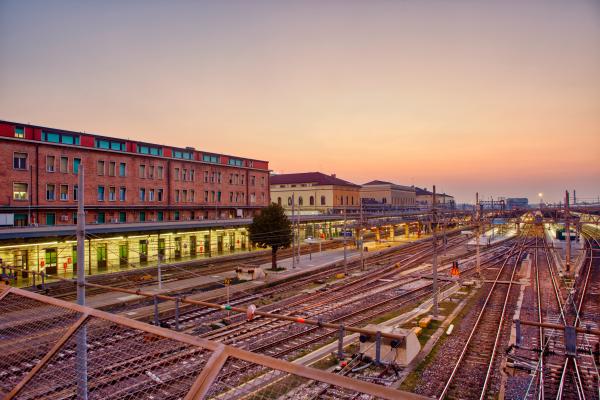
(271, 228)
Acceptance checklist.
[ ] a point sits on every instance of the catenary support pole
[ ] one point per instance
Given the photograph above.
(81, 353)
(434, 266)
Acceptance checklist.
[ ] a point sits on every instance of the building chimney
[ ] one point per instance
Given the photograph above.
(333, 175)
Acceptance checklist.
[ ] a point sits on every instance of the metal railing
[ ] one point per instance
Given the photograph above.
(44, 340)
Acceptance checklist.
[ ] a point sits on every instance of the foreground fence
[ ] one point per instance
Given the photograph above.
(51, 349)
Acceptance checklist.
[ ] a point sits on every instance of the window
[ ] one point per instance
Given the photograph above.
(253, 198)
(177, 196)
(184, 194)
(101, 219)
(184, 175)
(122, 216)
(210, 158)
(241, 179)
(142, 216)
(186, 155)
(20, 161)
(64, 192)
(151, 195)
(142, 194)
(75, 192)
(192, 195)
(231, 197)
(159, 216)
(151, 171)
(218, 197)
(50, 192)
(76, 162)
(311, 200)
(159, 195)
(279, 200)
(176, 177)
(219, 177)
(50, 163)
(159, 172)
(176, 216)
(142, 171)
(100, 167)
(122, 169)
(192, 175)
(64, 138)
(112, 194)
(262, 180)
(289, 201)
(112, 166)
(110, 144)
(206, 196)
(235, 162)
(100, 193)
(253, 180)
(205, 176)
(300, 201)
(64, 165)
(152, 150)
(20, 191)
(19, 132)
(122, 193)
(322, 200)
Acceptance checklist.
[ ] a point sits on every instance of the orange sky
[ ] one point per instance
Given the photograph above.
(497, 97)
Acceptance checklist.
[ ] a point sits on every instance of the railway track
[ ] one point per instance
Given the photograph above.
(65, 289)
(476, 370)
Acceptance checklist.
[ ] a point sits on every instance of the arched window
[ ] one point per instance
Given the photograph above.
(300, 201)
(312, 200)
(289, 201)
(322, 200)
(279, 200)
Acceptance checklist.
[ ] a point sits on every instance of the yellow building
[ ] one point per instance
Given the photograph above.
(425, 199)
(387, 195)
(314, 193)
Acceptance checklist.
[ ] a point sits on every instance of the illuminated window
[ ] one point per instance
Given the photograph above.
(20, 191)
(19, 132)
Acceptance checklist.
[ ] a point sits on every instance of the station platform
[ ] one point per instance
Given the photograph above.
(212, 286)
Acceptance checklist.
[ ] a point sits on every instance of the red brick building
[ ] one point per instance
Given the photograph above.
(125, 181)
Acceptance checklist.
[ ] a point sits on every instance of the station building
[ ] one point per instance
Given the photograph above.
(125, 181)
(113, 248)
(424, 199)
(387, 195)
(315, 193)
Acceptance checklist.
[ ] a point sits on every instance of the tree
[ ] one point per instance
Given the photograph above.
(271, 228)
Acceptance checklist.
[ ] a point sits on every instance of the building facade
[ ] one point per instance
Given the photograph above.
(387, 195)
(424, 199)
(517, 202)
(125, 181)
(314, 193)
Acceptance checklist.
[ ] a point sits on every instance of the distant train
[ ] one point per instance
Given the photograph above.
(561, 235)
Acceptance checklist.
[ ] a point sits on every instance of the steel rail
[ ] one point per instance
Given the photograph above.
(471, 335)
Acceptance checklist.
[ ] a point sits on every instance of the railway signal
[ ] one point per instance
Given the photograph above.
(455, 271)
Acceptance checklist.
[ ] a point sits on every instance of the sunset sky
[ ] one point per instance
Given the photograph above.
(500, 97)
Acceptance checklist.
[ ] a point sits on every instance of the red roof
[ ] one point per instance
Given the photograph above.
(309, 177)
